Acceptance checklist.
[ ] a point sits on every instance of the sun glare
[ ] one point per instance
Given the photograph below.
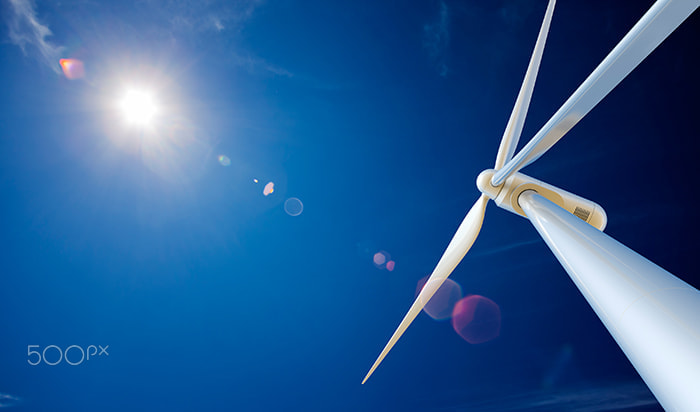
(139, 107)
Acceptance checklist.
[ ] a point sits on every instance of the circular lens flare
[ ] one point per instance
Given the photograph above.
(224, 160)
(72, 68)
(441, 304)
(293, 206)
(477, 319)
(138, 107)
(381, 259)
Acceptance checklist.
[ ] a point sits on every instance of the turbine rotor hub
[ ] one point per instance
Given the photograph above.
(483, 182)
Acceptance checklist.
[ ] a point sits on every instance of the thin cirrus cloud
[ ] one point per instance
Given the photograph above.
(208, 16)
(258, 65)
(506, 248)
(181, 18)
(7, 400)
(223, 18)
(27, 32)
(436, 39)
(611, 397)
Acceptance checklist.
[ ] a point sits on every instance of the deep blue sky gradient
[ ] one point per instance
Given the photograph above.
(378, 116)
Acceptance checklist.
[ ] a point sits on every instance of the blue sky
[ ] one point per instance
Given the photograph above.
(377, 116)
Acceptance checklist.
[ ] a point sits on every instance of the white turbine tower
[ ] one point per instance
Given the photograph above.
(652, 315)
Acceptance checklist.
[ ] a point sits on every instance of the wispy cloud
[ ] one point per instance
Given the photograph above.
(436, 38)
(517, 12)
(7, 400)
(177, 21)
(218, 25)
(209, 15)
(608, 397)
(186, 16)
(27, 32)
(613, 398)
(257, 65)
(508, 247)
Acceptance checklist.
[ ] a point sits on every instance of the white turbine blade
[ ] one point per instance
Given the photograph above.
(653, 28)
(517, 117)
(458, 247)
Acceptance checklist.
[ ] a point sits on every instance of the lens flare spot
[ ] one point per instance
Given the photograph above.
(390, 265)
(269, 188)
(224, 160)
(476, 319)
(72, 68)
(293, 206)
(441, 305)
(379, 259)
(255, 180)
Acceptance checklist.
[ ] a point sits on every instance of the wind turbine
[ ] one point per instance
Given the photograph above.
(652, 315)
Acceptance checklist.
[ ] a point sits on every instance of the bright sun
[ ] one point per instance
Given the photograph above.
(138, 107)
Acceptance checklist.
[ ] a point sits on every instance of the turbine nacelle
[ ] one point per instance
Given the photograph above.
(506, 197)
